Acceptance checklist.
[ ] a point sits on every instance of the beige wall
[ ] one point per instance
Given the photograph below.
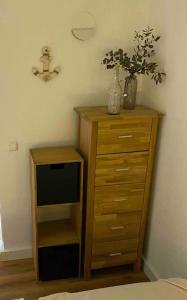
(166, 252)
(36, 113)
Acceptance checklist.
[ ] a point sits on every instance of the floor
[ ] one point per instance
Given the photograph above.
(17, 281)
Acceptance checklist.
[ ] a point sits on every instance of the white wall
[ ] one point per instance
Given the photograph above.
(36, 113)
(166, 251)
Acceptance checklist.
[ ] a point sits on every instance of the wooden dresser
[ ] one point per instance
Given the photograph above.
(119, 152)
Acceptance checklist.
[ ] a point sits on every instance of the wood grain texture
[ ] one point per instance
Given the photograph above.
(118, 189)
(17, 280)
(108, 254)
(118, 198)
(55, 155)
(88, 145)
(105, 261)
(128, 135)
(106, 248)
(34, 216)
(77, 217)
(116, 227)
(121, 168)
(54, 233)
(99, 113)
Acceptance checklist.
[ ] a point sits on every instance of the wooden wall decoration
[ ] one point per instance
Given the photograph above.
(46, 74)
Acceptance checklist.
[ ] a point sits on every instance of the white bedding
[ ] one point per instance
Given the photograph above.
(168, 289)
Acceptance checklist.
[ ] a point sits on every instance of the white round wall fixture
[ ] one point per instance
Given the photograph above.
(84, 26)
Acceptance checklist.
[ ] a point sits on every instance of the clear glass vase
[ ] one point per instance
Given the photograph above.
(115, 95)
(130, 92)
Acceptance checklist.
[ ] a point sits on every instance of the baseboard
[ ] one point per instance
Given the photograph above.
(13, 254)
(149, 270)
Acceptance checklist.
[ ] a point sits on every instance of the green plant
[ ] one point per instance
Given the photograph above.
(140, 61)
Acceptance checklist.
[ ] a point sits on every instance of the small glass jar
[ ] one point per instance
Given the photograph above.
(115, 95)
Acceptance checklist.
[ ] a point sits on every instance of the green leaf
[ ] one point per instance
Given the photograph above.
(157, 38)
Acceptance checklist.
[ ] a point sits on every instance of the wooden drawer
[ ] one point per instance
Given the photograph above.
(118, 198)
(121, 168)
(127, 135)
(108, 254)
(116, 227)
(107, 261)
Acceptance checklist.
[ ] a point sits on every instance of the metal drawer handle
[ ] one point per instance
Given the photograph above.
(117, 227)
(125, 136)
(121, 170)
(120, 200)
(115, 254)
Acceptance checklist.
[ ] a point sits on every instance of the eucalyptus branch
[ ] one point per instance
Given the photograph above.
(140, 62)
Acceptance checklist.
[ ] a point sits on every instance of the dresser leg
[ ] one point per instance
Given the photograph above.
(137, 266)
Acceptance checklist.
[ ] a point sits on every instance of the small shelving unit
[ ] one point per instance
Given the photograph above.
(57, 181)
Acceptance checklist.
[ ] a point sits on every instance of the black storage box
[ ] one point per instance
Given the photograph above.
(58, 183)
(58, 262)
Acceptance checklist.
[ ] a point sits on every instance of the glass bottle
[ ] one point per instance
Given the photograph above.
(115, 95)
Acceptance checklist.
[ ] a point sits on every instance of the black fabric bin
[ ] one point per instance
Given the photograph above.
(58, 183)
(58, 262)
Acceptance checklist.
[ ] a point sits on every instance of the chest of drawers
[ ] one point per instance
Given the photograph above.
(119, 152)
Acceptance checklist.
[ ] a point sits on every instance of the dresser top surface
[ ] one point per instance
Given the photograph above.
(55, 155)
(99, 113)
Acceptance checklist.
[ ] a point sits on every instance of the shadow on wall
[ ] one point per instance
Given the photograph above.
(153, 186)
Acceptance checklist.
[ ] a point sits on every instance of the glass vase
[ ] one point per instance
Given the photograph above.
(130, 92)
(115, 95)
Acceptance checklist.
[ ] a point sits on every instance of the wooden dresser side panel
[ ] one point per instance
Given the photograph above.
(34, 217)
(155, 121)
(88, 147)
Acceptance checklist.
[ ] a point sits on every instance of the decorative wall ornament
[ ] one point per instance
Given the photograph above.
(46, 74)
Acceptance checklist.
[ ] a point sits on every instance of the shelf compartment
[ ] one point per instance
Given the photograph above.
(58, 262)
(58, 183)
(54, 233)
(59, 205)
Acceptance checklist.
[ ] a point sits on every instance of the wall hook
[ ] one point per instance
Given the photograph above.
(46, 75)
